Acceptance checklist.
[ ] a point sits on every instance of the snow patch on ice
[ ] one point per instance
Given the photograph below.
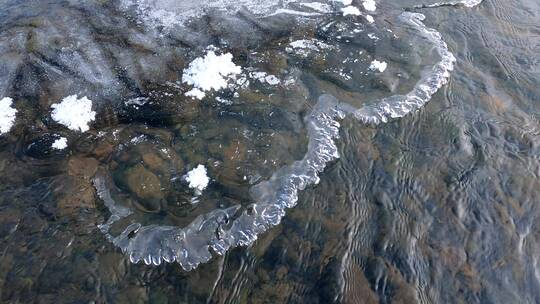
(74, 113)
(369, 5)
(137, 102)
(7, 115)
(224, 101)
(370, 19)
(378, 66)
(60, 144)
(211, 72)
(195, 93)
(351, 10)
(264, 77)
(197, 179)
(372, 36)
(304, 47)
(309, 44)
(318, 6)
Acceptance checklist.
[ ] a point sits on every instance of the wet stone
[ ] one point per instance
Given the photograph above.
(132, 295)
(83, 167)
(103, 150)
(152, 161)
(143, 183)
(74, 194)
(41, 147)
(281, 272)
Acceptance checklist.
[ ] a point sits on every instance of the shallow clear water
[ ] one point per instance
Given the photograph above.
(332, 191)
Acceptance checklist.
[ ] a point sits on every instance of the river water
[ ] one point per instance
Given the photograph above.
(356, 152)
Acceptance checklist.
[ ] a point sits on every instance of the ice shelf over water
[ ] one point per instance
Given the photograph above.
(221, 229)
(148, 55)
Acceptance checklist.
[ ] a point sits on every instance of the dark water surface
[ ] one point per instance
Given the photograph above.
(438, 206)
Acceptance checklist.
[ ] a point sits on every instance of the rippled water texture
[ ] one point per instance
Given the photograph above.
(353, 155)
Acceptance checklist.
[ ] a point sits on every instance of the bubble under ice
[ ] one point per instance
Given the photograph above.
(222, 229)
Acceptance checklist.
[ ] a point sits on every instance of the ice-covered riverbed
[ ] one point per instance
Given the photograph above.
(177, 131)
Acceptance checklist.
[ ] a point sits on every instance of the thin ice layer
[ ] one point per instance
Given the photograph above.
(193, 244)
(400, 105)
(176, 13)
(466, 3)
(221, 229)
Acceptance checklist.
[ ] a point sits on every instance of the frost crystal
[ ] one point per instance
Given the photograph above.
(369, 5)
(197, 179)
(211, 72)
(351, 10)
(378, 65)
(60, 144)
(7, 115)
(74, 113)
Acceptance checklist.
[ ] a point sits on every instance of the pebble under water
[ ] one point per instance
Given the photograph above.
(269, 151)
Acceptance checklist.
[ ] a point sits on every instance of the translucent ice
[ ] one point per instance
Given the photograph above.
(219, 230)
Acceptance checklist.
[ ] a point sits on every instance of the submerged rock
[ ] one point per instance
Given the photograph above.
(143, 183)
(153, 161)
(84, 167)
(266, 135)
(75, 194)
(75, 191)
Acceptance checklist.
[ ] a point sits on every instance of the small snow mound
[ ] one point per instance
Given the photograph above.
(137, 102)
(378, 65)
(195, 93)
(60, 144)
(350, 10)
(370, 18)
(197, 179)
(272, 80)
(305, 47)
(211, 72)
(264, 77)
(312, 44)
(7, 115)
(369, 5)
(74, 113)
